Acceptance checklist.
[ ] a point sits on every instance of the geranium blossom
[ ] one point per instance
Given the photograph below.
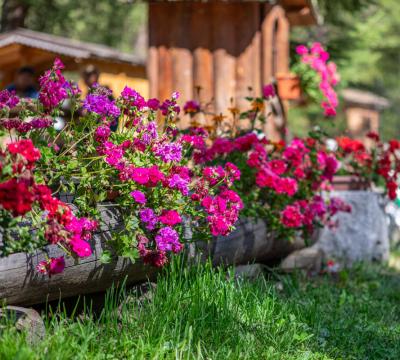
(317, 58)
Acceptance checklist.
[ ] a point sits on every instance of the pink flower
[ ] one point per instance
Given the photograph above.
(170, 217)
(218, 225)
(139, 197)
(57, 265)
(153, 104)
(51, 266)
(155, 176)
(291, 216)
(277, 166)
(268, 91)
(102, 133)
(286, 186)
(80, 247)
(301, 50)
(141, 175)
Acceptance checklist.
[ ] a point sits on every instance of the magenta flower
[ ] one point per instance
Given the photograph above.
(179, 183)
(268, 91)
(102, 133)
(80, 247)
(291, 216)
(8, 99)
(191, 107)
(153, 104)
(101, 104)
(57, 265)
(139, 197)
(147, 216)
(168, 152)
(140, 175)
(170, 217)
(51, 266)
(132, 98)
(53, 87)
(167, 239)
(41, 123)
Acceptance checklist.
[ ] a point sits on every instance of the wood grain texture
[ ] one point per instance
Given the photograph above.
(222, 47)
(251, 242)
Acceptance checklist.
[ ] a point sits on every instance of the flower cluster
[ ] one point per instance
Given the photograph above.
(8, 99)
(162, 180)
(316, 57)
(21, 197)
(277, 181)
(100, 102)
(305, 213)
(223, 211)
(53, 87)
(378, 164)
(151, 178)
(23, 127)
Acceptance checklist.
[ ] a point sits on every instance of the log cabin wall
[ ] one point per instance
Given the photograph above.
(228, 49)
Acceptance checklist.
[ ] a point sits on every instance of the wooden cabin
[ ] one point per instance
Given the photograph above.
(362, 110)
(24, 47)
(228, 49)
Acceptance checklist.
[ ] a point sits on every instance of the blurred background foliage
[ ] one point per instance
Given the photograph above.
(117, 23)
(361, 35)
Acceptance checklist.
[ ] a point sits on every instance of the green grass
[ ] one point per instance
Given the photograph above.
(199, 313)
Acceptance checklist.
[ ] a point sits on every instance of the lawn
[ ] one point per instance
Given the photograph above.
(201, 313)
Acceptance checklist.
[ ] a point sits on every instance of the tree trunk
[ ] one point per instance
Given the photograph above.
(13, 14)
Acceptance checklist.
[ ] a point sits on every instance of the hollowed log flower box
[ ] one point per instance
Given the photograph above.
(21, 284)
(251, 242)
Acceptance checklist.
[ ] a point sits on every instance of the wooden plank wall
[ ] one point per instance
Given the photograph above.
(223, 48)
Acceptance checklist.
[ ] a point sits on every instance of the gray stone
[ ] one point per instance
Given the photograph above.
(309, 259)
(361, 235)
(249, 272)
(26, 319)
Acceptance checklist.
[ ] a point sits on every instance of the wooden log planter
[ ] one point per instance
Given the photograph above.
(251, 242)
(21, 284)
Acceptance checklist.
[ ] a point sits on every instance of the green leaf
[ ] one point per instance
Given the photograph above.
(105, 257)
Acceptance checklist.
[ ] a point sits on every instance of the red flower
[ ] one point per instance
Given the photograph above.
(155, 258)
(392, 189)
(16, 196)
(26, 149)
(350, 145)
(373, 135)
(394, 145)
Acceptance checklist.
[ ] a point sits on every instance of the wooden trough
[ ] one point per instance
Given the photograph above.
(21, 284)
(251, 242)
